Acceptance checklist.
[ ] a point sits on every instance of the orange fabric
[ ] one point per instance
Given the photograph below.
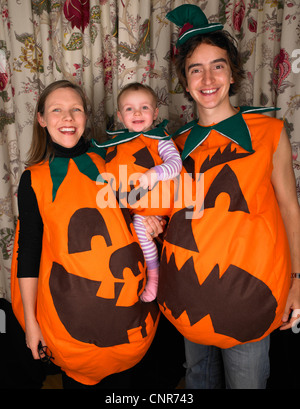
(225, 277)
(91, 275)
(136, 157)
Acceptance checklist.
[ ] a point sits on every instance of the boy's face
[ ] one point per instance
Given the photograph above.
(137, 110)
(209, 76)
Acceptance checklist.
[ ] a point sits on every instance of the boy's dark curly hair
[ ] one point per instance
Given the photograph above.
(221, 39)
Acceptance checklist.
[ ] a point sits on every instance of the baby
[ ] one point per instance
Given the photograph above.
(137, 110)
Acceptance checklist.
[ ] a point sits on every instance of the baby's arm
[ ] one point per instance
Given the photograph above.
(168, 170)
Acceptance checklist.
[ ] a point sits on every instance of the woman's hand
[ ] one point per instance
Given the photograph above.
(28, 289)
(34, 337)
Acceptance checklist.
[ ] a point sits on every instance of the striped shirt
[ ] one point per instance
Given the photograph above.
(169, 169)
(172, 162)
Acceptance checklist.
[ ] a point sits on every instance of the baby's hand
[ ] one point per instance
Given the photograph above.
(148, 179)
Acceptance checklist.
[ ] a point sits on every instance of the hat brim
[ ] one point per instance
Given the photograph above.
(209, 28)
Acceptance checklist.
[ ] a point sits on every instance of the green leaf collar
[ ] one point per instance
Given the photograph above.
(123, 135)
(59, 168)
(233, 128)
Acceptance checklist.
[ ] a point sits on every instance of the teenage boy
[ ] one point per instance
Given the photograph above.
(229, 278)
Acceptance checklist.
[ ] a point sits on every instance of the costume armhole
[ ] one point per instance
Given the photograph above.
(277, 134)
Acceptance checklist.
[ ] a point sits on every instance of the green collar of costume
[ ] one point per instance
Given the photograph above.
(233, 128)
(59, 168)
(123, 135)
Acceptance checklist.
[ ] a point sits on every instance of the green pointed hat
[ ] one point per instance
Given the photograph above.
(192, 21)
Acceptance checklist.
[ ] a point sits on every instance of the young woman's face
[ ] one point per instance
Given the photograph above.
(64, 117)
(137, 110)
(209, 77)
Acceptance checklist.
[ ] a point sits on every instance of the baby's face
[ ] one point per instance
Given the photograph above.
(137, 110)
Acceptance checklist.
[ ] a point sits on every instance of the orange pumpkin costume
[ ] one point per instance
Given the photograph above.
(130, 154)
(224, 277)
(91, 274)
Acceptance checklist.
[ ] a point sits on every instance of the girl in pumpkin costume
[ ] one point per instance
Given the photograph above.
(84, 314)
(230, 275)
(137, 110)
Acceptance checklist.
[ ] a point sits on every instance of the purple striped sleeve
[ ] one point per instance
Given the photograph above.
(172, 162)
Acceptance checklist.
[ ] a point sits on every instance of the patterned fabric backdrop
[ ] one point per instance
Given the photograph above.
(104, 44)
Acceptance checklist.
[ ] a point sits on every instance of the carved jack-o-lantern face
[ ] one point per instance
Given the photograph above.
(221, 279)
(88, 299)
(92, 272)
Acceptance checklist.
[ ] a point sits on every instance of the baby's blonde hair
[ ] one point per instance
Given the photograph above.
(136, 86)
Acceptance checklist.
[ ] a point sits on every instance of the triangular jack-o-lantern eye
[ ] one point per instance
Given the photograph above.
(143, 158)
(80, 234)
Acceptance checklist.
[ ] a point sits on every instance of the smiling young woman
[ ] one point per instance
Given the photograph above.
(64, 117)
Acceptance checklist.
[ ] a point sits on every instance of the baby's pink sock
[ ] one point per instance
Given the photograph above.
(150, 291)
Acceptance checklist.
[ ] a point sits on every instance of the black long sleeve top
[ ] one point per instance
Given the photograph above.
(31, 223)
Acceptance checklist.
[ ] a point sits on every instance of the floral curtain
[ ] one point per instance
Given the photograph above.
(104, 44)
